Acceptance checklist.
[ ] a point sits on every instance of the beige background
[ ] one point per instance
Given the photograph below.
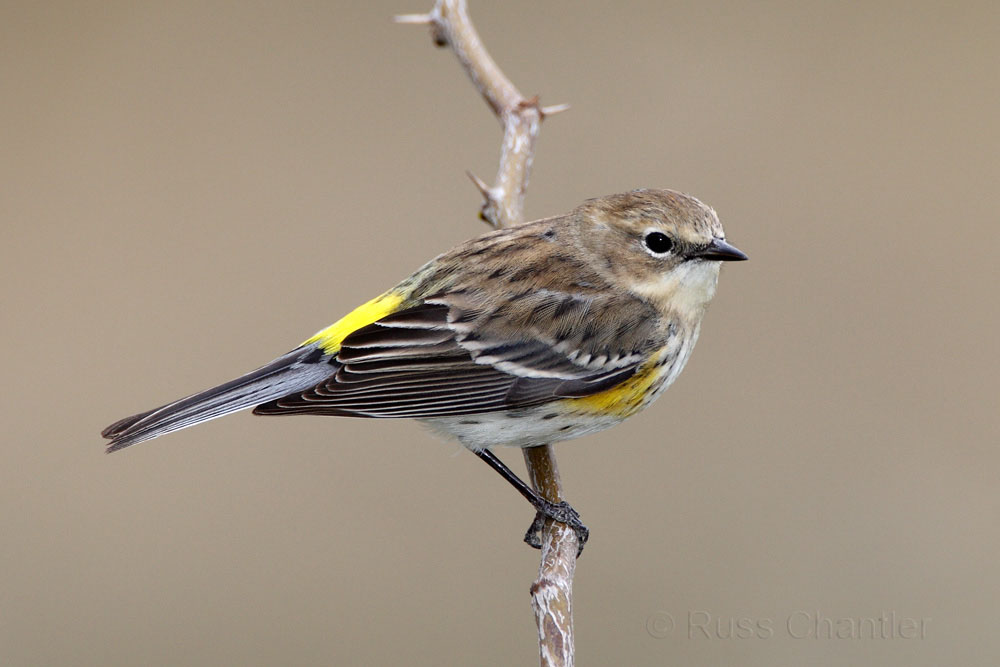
(189, 189)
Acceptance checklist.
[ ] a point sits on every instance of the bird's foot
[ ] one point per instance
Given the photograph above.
(562, 512)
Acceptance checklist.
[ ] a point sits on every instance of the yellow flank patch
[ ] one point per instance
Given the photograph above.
(623, 400)
(330, 338)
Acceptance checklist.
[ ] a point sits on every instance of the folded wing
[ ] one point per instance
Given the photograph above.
(455, 355)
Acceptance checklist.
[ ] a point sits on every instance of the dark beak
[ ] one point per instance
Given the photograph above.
(720, 251)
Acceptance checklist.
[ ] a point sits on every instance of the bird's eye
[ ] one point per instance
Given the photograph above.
(658, 242)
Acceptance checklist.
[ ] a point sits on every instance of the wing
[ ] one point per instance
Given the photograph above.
(457, 354)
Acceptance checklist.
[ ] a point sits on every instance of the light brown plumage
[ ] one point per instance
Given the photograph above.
(520, 323)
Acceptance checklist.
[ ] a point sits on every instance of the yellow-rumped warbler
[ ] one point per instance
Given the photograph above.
(523, 336)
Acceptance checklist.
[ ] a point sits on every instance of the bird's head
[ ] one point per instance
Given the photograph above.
(665, 245)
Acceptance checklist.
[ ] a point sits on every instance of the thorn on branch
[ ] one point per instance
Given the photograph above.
(487, 213)
(543, 112)
(414, 19)
(553, 110)
(433, 20)
(480, 184)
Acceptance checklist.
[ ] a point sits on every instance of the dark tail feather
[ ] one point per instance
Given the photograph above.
(300, 369)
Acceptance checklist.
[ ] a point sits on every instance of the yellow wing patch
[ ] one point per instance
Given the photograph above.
(330, 338)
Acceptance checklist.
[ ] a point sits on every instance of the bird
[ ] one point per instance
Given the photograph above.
(524, 336)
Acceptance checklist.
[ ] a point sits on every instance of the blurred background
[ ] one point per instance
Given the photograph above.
(188, 189)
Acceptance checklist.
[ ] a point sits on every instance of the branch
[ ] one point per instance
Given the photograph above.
(520, 116)
(552, 591)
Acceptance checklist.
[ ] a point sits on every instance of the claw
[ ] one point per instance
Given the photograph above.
(562, 512)
(533, 538)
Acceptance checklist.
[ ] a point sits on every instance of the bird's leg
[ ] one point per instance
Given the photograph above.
(562, 512)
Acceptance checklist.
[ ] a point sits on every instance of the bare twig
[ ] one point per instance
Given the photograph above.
(552, 591)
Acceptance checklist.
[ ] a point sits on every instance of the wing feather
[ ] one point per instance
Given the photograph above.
(427, 361)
